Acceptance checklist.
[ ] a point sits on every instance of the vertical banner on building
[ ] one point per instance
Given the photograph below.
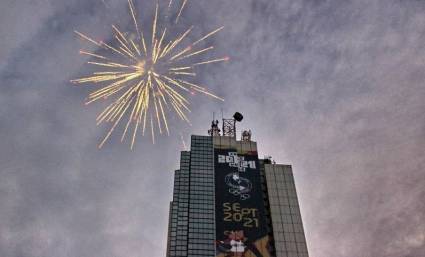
(241, 228)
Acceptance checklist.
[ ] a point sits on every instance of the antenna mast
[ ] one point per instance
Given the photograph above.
(229, 125)
(214, 130)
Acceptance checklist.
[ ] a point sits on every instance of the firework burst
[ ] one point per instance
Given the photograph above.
(146, 76)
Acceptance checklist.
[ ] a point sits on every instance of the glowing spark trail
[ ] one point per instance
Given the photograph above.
(181, 10)
(146, 80)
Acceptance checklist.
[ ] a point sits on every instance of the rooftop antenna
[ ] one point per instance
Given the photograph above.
(229, 125)
(246, 135)
(214, 130)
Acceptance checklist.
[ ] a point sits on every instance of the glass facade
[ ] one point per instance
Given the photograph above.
(287, 227)
(192, 228)
(179, 210)
(201, 203)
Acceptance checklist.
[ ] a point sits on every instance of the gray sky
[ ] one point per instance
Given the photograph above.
(335, 88)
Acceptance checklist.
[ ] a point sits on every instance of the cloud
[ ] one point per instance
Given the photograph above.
(333, 87)
(19, 31)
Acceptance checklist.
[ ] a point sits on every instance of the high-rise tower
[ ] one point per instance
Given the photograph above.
(227, 202)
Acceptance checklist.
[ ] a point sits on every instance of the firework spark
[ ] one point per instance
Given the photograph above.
(147, 77)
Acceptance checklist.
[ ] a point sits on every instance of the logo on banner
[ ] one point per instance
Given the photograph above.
(238, 186)
(234, 160)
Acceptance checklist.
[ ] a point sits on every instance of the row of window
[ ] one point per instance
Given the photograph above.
(200, 142)
(176, 242)
(201, 197)
(202, 245)
(181, 189)
(200, 191)
(202, 155)
(282, 180)
(201, 151)
(279, 173)
(284, 219)
(178, 191)
(280, 177)
(283, 201)
(178, 253)
(179, 227)
(282, 186)
(181, 185)
(202, 161)
(289, 236)
(201, 139)
(279, 181)
(276, 213)
(182, 212)
(206, 236)
(205, 201)
(201, 169)
(200, 253)
(195, 210)
(282, 193)
(202, 172)
(202, 178)
(208, 181)
(200, 215)
(183, 204)
(208, 185)
(182, 233)
(180, 197)
(182, 223)
(291, 247)
(179, 220)
(290, 254)
(200, 206)
(284, 209)
(282, 196)
(174, 226)
(199, 231)
(197, 145)
(201, 225)
(181, 247)
(202, 185)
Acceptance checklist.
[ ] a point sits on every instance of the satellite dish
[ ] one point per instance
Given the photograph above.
(238, 116)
